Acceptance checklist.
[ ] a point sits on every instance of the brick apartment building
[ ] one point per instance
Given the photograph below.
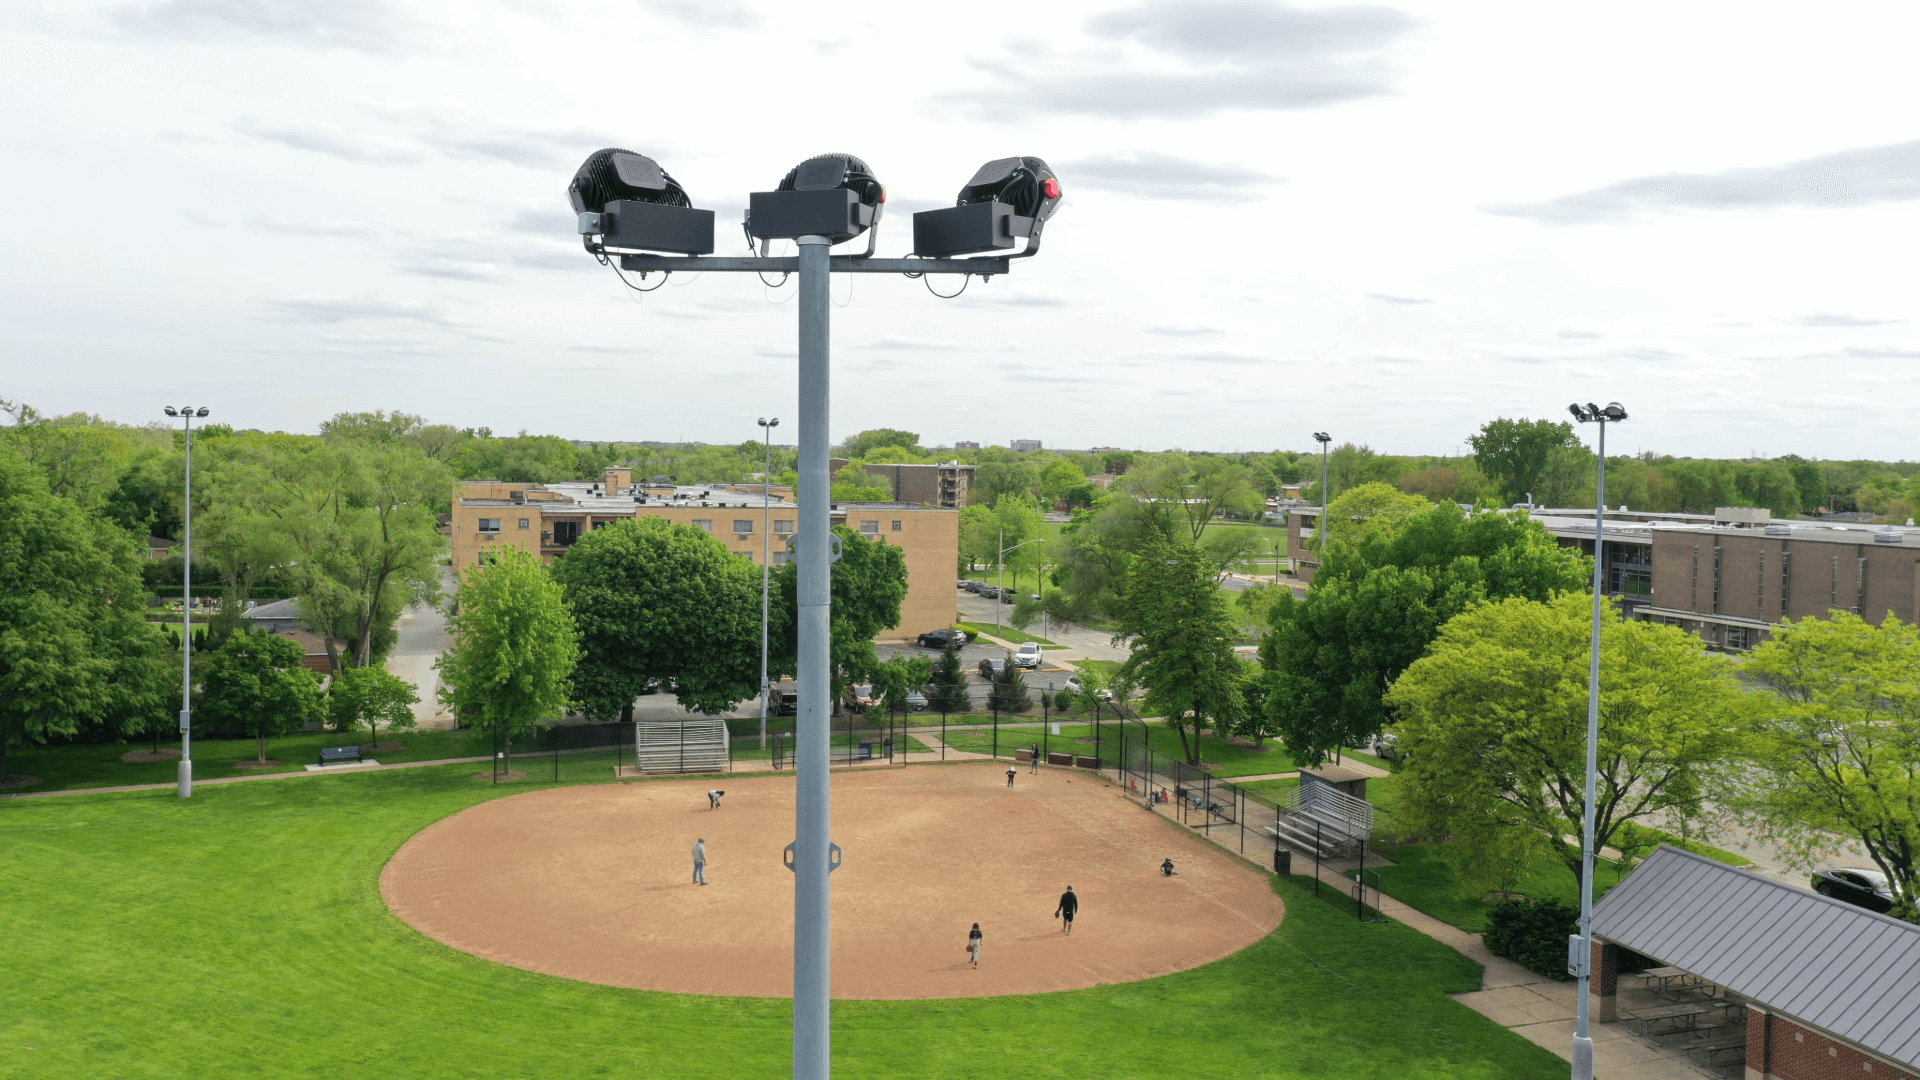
(1829, 991)
(548, 519)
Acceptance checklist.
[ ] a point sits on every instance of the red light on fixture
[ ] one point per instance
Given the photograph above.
(1052, 188)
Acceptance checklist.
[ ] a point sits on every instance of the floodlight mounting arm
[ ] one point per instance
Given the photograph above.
(838, 264)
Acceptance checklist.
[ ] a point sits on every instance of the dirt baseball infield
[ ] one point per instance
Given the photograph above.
(594, 883)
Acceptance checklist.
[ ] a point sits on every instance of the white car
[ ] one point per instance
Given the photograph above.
(1027, 655)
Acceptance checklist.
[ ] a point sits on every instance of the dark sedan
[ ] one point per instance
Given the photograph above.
(937, 639)
(1867, 888)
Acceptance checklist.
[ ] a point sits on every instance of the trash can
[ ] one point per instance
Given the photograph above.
(1283, 861)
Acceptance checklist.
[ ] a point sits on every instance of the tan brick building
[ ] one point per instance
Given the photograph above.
(547, 519)
(948, 484)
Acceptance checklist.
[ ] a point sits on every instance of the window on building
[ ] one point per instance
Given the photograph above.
(869, 527)
(782, 528)
(489, 525)
(565, 532)
(703, 523)
(896, 526)
(780, 558)
(524, 524)
(743, 526)
(1738, 637)
(747, 555)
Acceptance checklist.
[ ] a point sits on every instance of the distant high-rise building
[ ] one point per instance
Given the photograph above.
(1023, 446)
(966, 446)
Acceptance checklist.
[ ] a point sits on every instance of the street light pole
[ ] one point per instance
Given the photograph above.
(1582, 960)
(184, 773)
(766, 567)
(1002, 564)
(1323, 439)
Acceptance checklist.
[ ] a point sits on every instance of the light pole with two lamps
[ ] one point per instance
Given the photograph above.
(1580, 960)
(1323, 439)
(186, 413)
(766, 566)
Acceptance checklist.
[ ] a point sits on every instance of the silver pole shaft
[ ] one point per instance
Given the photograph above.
(184, 773)
(1002, 564)
(1582, 1042)
(812, 902)
(1323, 502)
(766, 571)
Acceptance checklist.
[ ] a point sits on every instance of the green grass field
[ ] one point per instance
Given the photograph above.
(99, 765)
(1005, 632)
(1234, 760)
(241, 933)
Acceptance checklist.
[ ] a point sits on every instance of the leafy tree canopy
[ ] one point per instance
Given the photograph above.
(1183, 638)
(373, 697)
(863, 444)
(1372, 505)
(514, 648)
(1375, 606)
(259, 684)
(1516, 454)
(1494, 724)
(868, 585)
(660, 602)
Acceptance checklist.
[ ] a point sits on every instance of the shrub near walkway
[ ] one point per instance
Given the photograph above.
(242, 933)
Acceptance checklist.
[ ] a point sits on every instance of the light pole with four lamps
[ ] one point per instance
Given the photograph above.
(1580, 958)
(186, 413)
(766, 566)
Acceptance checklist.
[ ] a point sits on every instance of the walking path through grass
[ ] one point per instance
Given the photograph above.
(242, 933)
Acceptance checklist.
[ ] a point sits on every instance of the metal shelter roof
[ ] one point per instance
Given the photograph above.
(1847, 971)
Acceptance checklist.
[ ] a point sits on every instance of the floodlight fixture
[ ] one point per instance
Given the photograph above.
(1321, 436)
(1007, 198)
(830, 195)
(171, 411)
(1590, 413)
(632, 204)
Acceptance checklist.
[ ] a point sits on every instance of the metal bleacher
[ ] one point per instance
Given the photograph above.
(1319, 820)
(689, 746)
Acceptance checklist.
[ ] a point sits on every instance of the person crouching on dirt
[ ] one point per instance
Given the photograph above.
(1166, 868)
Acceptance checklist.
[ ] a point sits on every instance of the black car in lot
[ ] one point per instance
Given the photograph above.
(1867, 888)
(937, 639)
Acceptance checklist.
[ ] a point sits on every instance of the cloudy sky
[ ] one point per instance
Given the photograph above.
(1391, 223)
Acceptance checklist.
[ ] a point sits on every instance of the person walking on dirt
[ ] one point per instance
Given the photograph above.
(1012, 771)
(973, 944)
(1069, 904)
(700, 861)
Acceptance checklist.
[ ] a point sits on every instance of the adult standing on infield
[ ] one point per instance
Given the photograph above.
(973, 944)
(1034, 756)
(1069, 904)
(700, 861)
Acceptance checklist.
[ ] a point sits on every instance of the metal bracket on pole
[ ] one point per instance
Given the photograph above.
(834, 857)
(837, 264)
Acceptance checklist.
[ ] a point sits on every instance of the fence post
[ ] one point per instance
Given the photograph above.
(1316, 858)
(1098, 764)
(995, 705)
(1360, 884)
(556, 755)
(943, 728)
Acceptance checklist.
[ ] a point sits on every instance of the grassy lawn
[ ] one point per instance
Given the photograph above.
(241, 933)
(1423, 879)
(1004, 633)
(1078, 738)
(84, 766)
(1270, 787)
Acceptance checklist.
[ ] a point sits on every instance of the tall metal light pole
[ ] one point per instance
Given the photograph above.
(186, 413)
(1323, 438)
(1582, 960)
(766, 567)
(629, 203)
(1002, 564)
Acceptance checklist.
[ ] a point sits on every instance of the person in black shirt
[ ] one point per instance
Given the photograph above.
(1069, 904)
(973, 944)
(1166, 868)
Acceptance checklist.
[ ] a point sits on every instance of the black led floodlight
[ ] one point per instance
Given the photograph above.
(1006, 199)
(632, 204)
(832, 195)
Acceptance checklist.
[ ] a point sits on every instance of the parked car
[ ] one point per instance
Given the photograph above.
(1866, 888)
(1386, 745)
(991, 666)
(1027, 655)
(1006, 596)
(916, 701)
(991, 592)
(1102, 694)
(860, 698)
(786, 703)
(937, 639)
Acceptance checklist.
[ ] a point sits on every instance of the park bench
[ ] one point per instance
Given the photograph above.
(1057, 758)
(333, 755)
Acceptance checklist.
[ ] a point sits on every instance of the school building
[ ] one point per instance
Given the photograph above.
(548, 519)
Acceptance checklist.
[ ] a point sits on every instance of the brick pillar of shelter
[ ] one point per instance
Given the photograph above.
(1759, 1028)
(1604, 983)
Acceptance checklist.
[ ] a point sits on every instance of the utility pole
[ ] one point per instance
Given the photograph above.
(1323, 439)
(184, 773)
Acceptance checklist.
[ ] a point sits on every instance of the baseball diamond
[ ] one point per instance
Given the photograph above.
(590, 883)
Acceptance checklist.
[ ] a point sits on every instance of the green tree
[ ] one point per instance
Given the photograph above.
(947, 683)
(1834, 747)
(979, 536)
(665, 603)
(868, 585)
(1183, 638)
(1018, 521)
(75, 651)
(259, 684)
(855, 484)
(1494, 723)
(1371, 506)
(1375, 606)
(374, 697)
(995, 479)
(1182, 494)
(1515, 454)
(898, 675)
(514, 648)
(1007, 691)
(1059, 478)
(873, 438)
